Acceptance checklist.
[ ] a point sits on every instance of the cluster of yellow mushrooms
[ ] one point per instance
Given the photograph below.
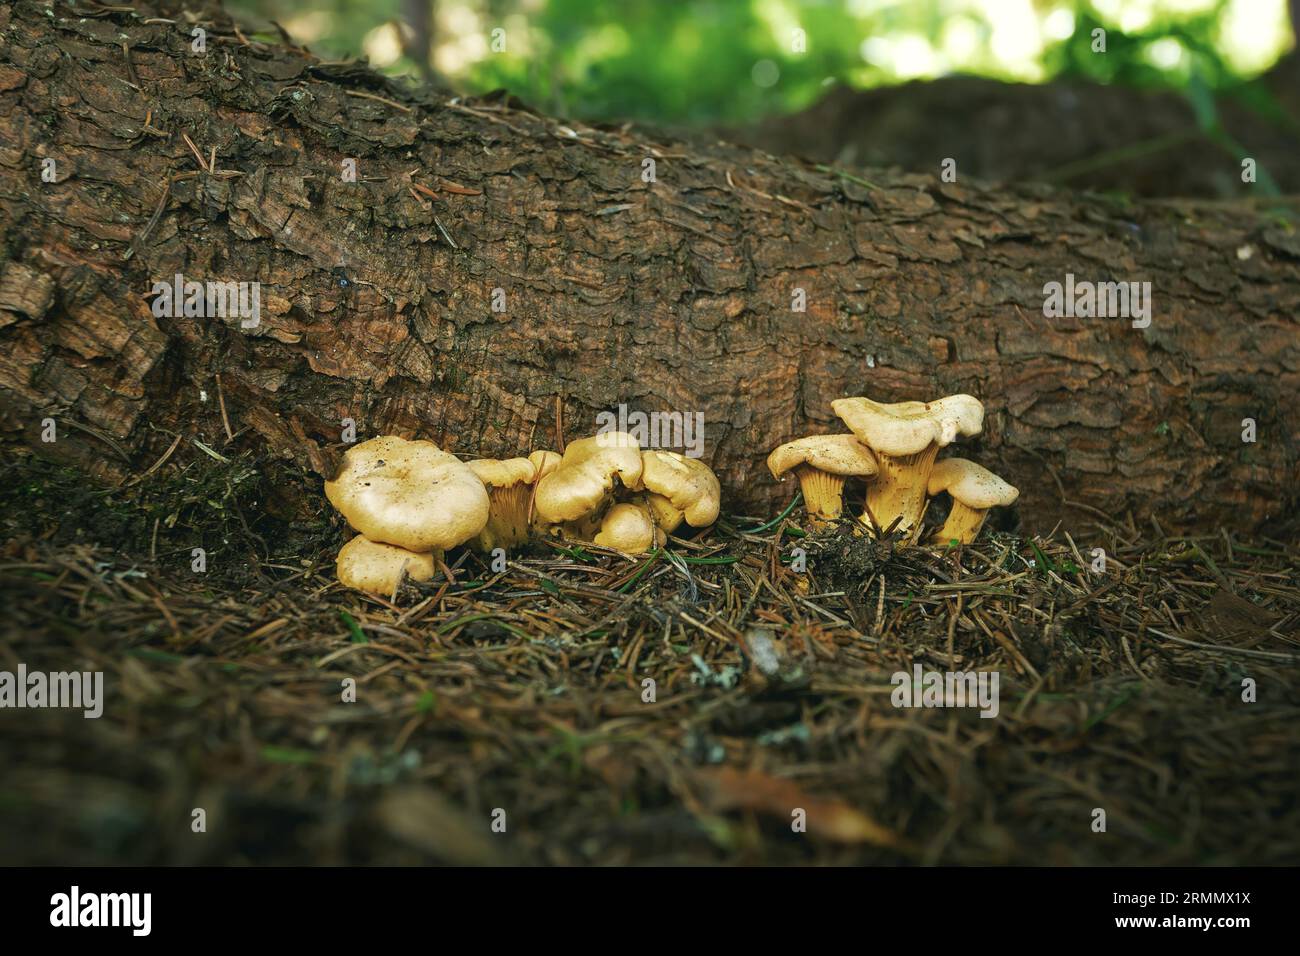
(410, 501)
(893, 448)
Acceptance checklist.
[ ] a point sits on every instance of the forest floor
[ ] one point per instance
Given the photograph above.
(521, 698)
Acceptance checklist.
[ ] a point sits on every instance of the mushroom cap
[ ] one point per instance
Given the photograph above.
(834, 454)
(662, 511)
(908, 428)
(410, 494)
(690, 486)
(960, 415)
(628, 527)
(971, 484)
(503, 473)
(585, 476)
(377, 568)
(545, 462)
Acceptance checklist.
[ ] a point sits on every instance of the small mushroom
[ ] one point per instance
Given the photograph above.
(509, 484)
(409, 493)
(677, 488)
(906, 438)
(545, 462)
(665, 516)
(582, 484)
(974, 490)
(378, 568)
(629, 528)
(822, 463)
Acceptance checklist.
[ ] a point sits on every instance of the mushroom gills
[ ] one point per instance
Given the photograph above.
(507, 524)
(898, 490)
(823, 493)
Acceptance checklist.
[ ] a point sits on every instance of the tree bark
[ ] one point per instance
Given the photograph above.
(672, 295)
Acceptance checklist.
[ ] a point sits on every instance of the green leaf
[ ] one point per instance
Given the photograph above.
(357, 636)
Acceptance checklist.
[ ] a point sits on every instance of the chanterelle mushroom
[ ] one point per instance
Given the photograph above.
(662, 513)
(822, 463)
(583, 482)
(510, 486)
(630, 528)
(545, 462)
(906, 437)
(679, 488)
(974, 491)
(409, 493)
(377, 568)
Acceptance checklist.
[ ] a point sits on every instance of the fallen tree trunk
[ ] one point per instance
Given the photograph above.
(377, 296)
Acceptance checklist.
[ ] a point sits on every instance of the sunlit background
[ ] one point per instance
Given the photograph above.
(737, 60)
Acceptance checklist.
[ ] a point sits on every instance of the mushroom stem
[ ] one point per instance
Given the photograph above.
(507, 524)
(823, 493)
(963, 524)
(898, 490)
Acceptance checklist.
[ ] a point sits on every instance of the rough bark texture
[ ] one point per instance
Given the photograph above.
(672, 295)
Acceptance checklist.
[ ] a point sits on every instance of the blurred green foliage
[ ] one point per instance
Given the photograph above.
(709, 61)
